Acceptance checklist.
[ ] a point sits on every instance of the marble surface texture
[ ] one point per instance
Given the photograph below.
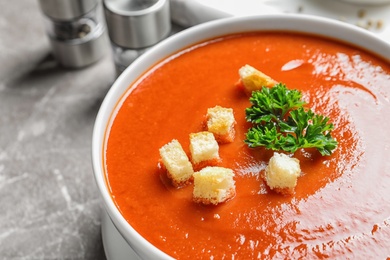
(49, 204)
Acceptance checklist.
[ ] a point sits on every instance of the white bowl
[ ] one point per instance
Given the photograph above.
(291, 22)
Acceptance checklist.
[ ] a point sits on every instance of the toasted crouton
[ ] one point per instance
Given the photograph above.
(282, 173)
(220, 122)
(213, 185)
(254, 79)
(204, 149)
(175, 160)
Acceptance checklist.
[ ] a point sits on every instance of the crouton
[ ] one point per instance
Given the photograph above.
(177, 163)
(213, 185)
(220, 122)
(204, 149)
(254, 79)
(282, 173)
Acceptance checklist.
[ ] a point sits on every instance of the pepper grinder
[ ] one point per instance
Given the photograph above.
(76, 31)
(134, 26)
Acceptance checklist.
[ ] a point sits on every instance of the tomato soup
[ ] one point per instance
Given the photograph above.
(340, 207)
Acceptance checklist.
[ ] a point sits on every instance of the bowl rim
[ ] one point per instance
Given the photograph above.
(300, 23)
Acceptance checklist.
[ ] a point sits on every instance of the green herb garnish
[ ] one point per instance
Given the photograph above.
(280, 122)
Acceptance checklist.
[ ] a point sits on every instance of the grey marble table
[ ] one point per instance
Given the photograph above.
(49, 205)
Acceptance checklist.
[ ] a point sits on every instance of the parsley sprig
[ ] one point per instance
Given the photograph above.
(280, 122)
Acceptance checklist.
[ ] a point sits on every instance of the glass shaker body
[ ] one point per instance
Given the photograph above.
(134, 26)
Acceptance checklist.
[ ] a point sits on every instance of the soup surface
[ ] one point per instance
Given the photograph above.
(341, 202)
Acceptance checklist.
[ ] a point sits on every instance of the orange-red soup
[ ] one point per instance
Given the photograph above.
(341, 205)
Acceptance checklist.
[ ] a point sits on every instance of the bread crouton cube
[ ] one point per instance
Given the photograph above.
(220, 122)
(177, 163)
(213, 185)
(254, 79)
(204, 149)
(282, 173)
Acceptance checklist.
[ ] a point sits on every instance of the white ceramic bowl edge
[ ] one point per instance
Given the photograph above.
(299, 23)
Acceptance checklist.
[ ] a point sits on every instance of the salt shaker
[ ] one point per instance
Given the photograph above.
(134, 26)
(76, 31)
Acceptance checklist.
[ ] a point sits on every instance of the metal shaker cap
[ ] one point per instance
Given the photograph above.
(137, 23)
(66, 9)
(76, 30)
